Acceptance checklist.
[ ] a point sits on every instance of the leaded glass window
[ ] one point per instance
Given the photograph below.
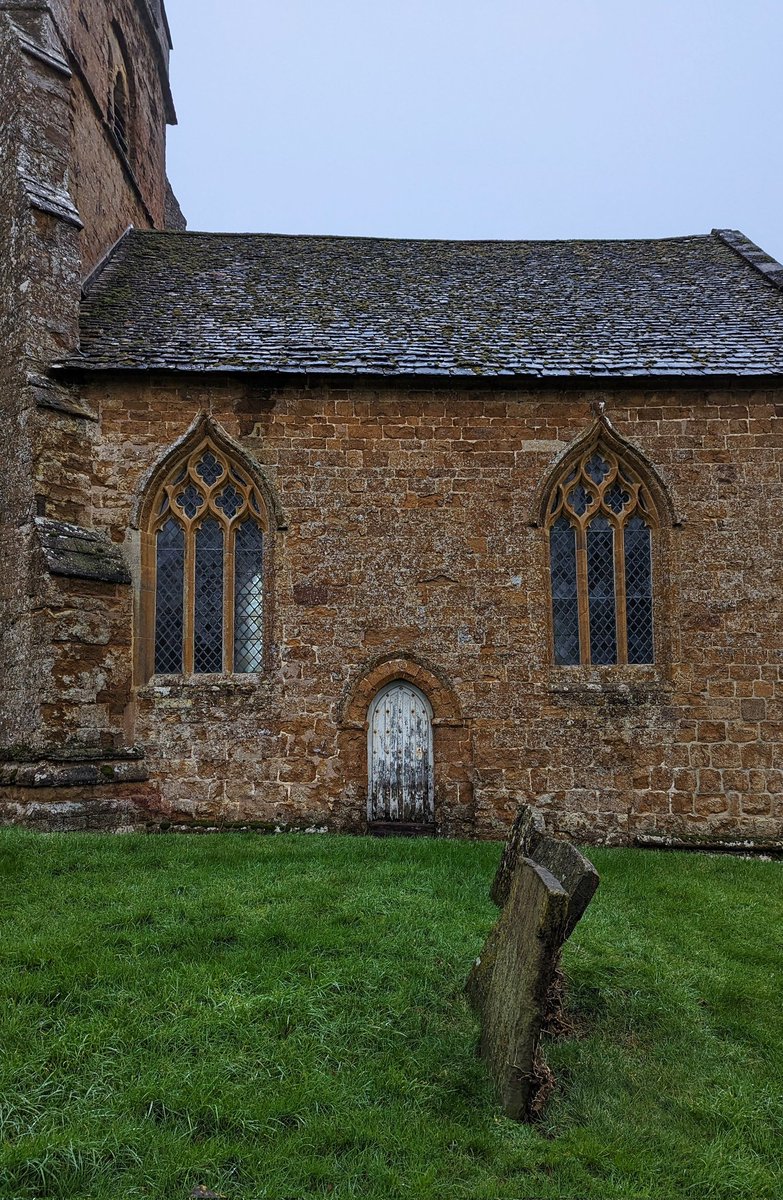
(207, 568)
(170, 567)
(565, 599)
(208, 600)
(248, 598)
(600, 591)
(638, 590)
(601, 521)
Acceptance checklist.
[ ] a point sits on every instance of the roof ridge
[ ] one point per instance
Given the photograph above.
(92, 278)
(441, 241)
(757, 258)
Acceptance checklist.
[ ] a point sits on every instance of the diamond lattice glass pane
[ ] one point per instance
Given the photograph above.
(597, 468)
(600, 587)
(169, 576)
(638, 591)
(229, 501)
(248, 598)
(208, 468)
(565, 604)
(208, 614)
(616, 498)
(190, 500)
(580, 499)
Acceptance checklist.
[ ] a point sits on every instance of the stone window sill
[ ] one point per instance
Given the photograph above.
(617, 682)
(168, 685)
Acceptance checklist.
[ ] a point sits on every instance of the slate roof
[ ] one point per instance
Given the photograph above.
(687, 306)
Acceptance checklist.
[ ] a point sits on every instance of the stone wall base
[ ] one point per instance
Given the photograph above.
(121, 809)
(117, 805)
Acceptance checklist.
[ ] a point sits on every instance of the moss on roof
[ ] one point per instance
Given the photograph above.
(689, 306)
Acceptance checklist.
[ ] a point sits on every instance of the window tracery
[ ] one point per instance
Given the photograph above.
(205, 568)
(600, 523)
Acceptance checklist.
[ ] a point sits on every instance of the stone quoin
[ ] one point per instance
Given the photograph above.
(518, 501)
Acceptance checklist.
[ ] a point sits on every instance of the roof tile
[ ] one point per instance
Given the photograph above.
(704, 305)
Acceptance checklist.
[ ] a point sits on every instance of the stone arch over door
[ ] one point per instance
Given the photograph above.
(452, 753)
(400, 761)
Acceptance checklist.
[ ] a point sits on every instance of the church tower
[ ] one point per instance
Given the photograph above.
(86, 93)
(84, 105)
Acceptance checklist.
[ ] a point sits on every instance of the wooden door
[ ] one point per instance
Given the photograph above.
(400, 756)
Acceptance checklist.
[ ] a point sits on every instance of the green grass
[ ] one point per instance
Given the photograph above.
(283, 1017)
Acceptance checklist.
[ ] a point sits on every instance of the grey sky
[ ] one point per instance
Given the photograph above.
(507, 118)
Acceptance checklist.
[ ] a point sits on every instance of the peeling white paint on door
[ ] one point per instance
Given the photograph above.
(399, 756)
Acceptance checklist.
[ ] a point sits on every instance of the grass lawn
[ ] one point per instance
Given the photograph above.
(283, 1017)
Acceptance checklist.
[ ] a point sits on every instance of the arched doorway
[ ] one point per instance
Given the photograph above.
(399, 757)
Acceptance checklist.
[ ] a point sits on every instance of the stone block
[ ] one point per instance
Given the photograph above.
(80, 553)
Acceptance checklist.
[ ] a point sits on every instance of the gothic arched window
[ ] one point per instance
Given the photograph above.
(204, 570)
(601, 522)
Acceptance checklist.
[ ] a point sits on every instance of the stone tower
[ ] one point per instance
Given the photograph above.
(82, 157)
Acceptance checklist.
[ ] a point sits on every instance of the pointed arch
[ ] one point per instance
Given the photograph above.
(603, 507)
(204, 427)
(206, 560)
(602, 430)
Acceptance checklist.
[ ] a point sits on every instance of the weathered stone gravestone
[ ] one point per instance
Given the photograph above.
(543, 885)
(528, 839)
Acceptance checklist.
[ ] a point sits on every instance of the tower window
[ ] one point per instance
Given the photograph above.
(600, 524)
(119, 112)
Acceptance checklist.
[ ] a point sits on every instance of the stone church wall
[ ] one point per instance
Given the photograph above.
(405, 546)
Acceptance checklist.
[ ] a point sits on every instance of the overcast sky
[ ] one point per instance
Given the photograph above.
(491, 119)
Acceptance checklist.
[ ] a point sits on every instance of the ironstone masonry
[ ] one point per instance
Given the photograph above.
(404, 409)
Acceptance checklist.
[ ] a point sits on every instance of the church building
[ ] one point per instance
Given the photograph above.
(367, 534)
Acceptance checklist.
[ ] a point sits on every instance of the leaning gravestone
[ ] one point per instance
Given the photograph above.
(543, 885)
(527, 828)
(529, 839)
